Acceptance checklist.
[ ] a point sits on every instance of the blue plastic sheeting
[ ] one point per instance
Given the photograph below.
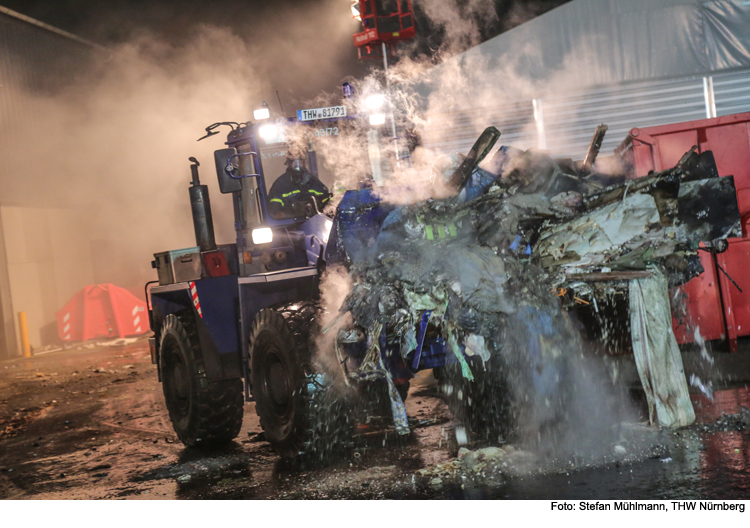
(357, 224)
(544, 339)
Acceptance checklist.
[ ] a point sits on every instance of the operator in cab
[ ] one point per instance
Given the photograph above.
(297, 192)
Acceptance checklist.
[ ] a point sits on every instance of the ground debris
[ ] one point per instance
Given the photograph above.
(58, 469)
(495, 460)
(728, 422)
(203, 468)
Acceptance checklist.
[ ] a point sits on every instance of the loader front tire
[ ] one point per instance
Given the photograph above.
(300, 411)
(203, 413)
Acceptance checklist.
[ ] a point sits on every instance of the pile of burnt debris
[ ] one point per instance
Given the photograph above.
(524, 236)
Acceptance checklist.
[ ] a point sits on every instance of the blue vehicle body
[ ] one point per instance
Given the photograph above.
(224, 308)
(244, 314)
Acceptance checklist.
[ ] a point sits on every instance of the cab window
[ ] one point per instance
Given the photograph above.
(273, 161)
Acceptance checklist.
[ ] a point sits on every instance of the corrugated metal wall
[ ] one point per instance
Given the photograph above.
(456, 132)
(564, 125)
(569, 122)
(732, 92)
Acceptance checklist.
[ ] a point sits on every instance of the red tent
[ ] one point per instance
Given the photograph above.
(101, 311)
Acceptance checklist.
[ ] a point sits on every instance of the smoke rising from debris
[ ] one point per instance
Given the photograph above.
(430, 92)
(475, 81)
(115, 139)
(121, 134)
(461, 22)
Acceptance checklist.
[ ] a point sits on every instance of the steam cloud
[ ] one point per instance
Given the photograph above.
(114, 141)
(475, 82)
(124, 131)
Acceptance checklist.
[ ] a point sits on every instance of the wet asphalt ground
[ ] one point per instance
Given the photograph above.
(90, 423)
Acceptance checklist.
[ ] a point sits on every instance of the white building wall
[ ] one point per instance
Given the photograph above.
(49, 259)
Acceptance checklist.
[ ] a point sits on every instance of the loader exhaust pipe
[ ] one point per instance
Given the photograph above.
(201, 205)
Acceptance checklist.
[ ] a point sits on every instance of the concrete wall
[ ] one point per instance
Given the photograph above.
(49, 258)
(8, 343)
(39, 268)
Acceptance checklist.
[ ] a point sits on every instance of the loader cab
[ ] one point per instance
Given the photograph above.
(267, 240)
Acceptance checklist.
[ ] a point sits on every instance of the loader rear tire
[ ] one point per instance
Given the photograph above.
(301, 413)
(203, 413)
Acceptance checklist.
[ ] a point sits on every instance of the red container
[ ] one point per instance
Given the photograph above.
(714, 304)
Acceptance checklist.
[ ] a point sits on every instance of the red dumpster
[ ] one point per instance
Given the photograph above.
(716, 306)
(102, 311)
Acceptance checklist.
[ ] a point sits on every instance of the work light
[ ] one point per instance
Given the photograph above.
(269, 133)
(377, 119)
(262, 235)
(262, 113)
(374, 101)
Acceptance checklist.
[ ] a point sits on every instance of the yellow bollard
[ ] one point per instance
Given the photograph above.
(24, 328)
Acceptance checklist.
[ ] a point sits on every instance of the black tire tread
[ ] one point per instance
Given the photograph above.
(217, 407)
(325, 417)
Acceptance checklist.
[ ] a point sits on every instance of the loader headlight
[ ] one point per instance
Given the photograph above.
(262, 113)
(269, 133)
(377, 119)
(375, 101)
(262, 235)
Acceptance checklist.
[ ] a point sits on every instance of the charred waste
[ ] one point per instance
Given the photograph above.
(495, 273)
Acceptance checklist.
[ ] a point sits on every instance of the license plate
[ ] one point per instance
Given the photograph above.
(312, 114)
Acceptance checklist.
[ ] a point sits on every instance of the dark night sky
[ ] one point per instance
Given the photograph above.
(174, 21)
(115, 20)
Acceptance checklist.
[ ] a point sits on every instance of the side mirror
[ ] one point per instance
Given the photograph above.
(227, 184)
